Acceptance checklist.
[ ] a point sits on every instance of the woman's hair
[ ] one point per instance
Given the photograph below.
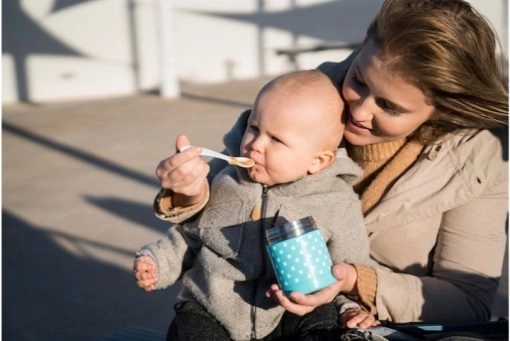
(448, 50)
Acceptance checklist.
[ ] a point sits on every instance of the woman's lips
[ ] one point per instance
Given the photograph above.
(356, 127)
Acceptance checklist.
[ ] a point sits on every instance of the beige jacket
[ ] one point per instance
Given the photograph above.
(439, 234)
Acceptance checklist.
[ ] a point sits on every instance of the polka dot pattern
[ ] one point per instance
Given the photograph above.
(302, 263)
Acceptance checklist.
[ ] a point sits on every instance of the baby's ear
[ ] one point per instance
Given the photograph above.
(321, 160)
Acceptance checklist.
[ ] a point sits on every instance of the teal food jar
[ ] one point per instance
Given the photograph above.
(300, 257)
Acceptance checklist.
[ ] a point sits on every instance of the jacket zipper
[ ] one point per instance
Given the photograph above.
(263, 209)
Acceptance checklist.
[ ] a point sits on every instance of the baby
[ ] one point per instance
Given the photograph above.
(292, 135)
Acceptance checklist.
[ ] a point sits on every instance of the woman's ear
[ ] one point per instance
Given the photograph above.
(321, 160)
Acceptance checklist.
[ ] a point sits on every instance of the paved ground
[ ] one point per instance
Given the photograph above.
(78, 185)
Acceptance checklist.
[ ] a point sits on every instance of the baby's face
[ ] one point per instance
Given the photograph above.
(285, 133)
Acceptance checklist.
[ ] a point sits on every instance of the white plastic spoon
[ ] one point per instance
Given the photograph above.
(233, 160)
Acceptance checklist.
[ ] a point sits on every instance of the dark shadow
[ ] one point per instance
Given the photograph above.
(42, 279)
(502, 136)
(139, 213)
(80, 155)
(60, 5)
(431, 311)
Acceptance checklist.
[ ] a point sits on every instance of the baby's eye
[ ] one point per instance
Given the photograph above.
(253, 128)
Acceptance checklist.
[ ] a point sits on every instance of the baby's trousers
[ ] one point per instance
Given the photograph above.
(192, 322)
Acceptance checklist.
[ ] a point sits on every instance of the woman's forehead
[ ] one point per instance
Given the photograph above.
(378, 71)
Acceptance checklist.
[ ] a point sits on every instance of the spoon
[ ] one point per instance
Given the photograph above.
(233, 160)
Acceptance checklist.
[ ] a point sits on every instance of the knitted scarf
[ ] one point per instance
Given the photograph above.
(382, 165)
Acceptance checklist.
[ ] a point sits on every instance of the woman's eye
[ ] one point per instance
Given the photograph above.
(391, 111)
(388, 108)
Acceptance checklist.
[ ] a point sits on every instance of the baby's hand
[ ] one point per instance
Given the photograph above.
(144, 270)
(357, 317)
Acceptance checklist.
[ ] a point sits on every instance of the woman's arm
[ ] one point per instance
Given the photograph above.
(467, 264)
(185, 177)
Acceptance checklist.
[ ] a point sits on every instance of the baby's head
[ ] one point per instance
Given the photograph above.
(294, 128)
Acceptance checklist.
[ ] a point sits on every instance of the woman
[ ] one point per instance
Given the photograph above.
(427, 116)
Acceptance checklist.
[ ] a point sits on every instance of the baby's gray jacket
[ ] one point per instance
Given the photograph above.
(221, 255)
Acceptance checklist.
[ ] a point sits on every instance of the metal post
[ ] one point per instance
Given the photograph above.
(169, 87)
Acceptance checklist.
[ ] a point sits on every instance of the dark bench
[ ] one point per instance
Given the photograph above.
(133, 334)
(292, 52)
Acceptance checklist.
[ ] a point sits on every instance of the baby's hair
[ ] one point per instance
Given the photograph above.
(300, 79)
(318, 87)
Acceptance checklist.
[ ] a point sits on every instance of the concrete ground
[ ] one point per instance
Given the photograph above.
(78, 184)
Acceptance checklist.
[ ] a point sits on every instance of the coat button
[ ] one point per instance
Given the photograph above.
(433, 153)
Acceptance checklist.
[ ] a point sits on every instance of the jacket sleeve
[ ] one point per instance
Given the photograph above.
(467, 259)
(174, 254)
(162, 205)
(349, 243)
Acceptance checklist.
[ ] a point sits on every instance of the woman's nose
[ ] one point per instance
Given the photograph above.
(361, 111)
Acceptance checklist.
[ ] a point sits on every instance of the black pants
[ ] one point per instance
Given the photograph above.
(192, 322)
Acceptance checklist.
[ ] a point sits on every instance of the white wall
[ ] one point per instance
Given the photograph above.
(76, 49)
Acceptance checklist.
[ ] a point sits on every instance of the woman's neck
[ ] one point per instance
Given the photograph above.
(371, 158)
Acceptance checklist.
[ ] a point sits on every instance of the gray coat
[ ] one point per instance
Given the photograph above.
(221, 254)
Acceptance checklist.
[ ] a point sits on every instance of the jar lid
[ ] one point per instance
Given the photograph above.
(290, 230)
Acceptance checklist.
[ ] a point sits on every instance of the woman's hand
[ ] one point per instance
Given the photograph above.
(184, 173)
(300, 304)
(357, 317)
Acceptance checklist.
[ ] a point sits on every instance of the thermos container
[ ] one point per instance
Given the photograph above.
(299, 255)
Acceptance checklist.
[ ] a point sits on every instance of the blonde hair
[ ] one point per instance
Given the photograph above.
(448, 50)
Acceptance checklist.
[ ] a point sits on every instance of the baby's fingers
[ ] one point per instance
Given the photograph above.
(144, 275)
(143, 263)
(148, 284)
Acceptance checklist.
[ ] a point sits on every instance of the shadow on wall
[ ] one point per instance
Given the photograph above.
(344, 21)
(23, 37)
(333, 21)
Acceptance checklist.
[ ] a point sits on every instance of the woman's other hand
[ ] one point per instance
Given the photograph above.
(184, 173)
(300, 304)
(357, 317)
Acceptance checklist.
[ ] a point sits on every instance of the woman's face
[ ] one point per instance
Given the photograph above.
(383, 107)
